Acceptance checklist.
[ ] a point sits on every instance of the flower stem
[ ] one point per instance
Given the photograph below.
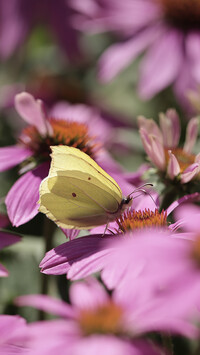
(167, 343)
(48, 233)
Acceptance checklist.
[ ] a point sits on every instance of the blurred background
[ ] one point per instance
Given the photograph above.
(41, 52)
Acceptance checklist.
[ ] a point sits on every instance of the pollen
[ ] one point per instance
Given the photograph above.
(183, 14)
(72, 134)
(106, 319)
(184, 159)
(131, 220)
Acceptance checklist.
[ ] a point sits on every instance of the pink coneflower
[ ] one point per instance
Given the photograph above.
(173, 162)
(6, 239)
(96, 322)
(32, 151)
(168, 30)
(89, 254)
(18, 17)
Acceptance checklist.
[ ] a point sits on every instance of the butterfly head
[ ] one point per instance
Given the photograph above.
(126, 203)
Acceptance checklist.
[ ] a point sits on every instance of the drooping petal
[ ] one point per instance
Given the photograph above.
(60, 24)
(184, 84)
(15, 19)
(7, 239)
(184, 214)
(12, 156)
(192, 45)
(118, 56)
(32, 111)
(21, 201)
(161, 64)
(46, 304)
(59, 260)
(187, 198)
(189, 173)
(173, 168)
(170, 126)
(191, 134)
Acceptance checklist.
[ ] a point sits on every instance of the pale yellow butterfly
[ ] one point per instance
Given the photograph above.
(78, 193)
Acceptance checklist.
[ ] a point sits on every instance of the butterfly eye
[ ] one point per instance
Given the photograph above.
(73, 194)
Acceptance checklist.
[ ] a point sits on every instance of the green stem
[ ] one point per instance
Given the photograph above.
(48, 233)
(167, 343)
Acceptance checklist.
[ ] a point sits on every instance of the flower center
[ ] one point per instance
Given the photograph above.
(106, 319)
(184, 159)
(68, 133)
(195, 253)
(132, 219)
(184, 14)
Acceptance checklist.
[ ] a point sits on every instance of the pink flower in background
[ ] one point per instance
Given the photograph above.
(89, 254)
(168, 30)
(72, 126)
(96, 322)
(6, 239)
(161, 146)
(17, 18)
(10, 327)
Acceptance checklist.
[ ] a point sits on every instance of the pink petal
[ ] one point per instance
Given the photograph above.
(193, 53)
(4, 220)
(12, 156)
(191, 134)
(150, 127)
(15, 22)
(46, 304)
(157, 153)
(13, 323)
(3, 271)
(71, 233)
(189, 173)
(118, 56)
(170, 127)
(193, 197)
(184, 84)
(21, 201)
(161, 64)
(7, 239)
(173, 168)
(88, 294)
(190, 216)
(32, 111)
(59, 260)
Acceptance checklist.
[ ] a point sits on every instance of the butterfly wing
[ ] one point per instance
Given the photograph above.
(78, 193)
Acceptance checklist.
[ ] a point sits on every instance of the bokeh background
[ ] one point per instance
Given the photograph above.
(36, 56)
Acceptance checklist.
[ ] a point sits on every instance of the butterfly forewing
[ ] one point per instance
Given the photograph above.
(69, 159)
(78, 193)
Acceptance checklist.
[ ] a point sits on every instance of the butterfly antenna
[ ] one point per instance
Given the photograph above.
(140, 188)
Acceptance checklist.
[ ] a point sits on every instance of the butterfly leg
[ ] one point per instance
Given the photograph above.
(105, 229)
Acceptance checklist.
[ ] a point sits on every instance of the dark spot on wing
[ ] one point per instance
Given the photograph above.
(89, 178)
(73, 194)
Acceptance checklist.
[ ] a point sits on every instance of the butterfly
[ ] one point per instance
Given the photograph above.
(78, 193)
